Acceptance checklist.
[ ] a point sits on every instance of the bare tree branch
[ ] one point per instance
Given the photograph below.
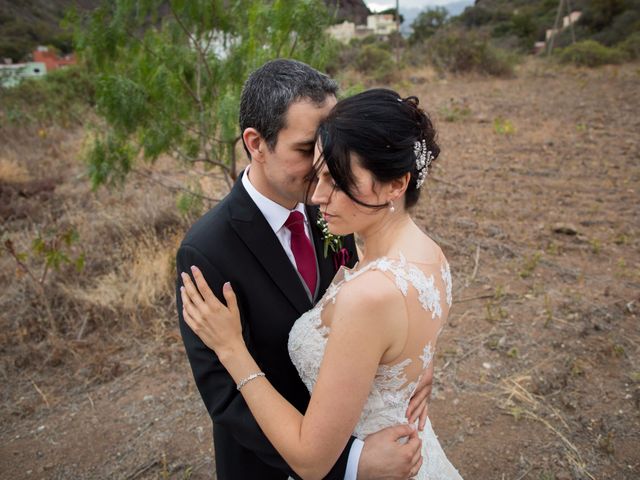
(295, 44)
(196, 44)
(173, 187)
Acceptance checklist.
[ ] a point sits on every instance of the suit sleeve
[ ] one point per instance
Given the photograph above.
(225, 404)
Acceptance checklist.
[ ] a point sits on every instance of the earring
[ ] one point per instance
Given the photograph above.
(391, 207)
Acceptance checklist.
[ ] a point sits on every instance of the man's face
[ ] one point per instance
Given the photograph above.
(287, 167)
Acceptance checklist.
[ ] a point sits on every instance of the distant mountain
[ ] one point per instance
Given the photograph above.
(27, 24)
(355, 11)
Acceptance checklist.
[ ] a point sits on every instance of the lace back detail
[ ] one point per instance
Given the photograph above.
(427, 291)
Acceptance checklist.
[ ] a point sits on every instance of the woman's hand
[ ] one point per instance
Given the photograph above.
(419, 402)
(217, 326)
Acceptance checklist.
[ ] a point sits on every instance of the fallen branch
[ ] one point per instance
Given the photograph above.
(486, 295)
(44, 397)
(143, 469)
(175, 188)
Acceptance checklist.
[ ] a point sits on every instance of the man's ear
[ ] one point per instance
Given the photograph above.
(254, 143)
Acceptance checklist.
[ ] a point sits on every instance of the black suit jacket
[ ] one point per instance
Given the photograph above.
(233, 242)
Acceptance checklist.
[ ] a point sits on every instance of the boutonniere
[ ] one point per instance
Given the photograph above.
(332, 242)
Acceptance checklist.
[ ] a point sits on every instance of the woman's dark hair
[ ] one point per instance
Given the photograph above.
(382, 129)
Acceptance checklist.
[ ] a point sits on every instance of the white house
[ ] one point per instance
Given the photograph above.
(382, 24)
(11, 74)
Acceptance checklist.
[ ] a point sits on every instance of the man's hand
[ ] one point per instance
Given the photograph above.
(384, 457)
(419, 401)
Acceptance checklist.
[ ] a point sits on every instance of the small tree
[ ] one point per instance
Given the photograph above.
(169, 74)
(394, 12)
(427, 23)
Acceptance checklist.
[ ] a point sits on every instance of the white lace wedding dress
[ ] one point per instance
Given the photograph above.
(427, 291)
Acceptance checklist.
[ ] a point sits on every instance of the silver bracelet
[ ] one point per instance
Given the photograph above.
(246, 380)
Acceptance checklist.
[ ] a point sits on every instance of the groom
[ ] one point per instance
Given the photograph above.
(278, 272)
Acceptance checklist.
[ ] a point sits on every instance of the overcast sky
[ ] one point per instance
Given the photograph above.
(376, 5)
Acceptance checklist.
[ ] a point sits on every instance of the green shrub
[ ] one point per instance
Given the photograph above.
(460, 51)
(376, 62)
(631, 46)
(62, 95)
(369, 40)
(590, 53)
(427, 23)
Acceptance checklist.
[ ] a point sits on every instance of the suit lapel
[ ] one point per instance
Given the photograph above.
(254, 230)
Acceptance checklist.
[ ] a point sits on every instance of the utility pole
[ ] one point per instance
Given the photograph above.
(398, 35)
(569, 11)
(555, 28)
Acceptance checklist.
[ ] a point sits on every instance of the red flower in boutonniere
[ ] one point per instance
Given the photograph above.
(341, 258)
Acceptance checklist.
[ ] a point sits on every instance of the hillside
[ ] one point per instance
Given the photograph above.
(520, 23)
(353, 10)
(25, 25)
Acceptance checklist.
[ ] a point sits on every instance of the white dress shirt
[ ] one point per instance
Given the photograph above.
(276, 216)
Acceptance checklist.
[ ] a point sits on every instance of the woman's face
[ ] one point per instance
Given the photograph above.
(343, 215)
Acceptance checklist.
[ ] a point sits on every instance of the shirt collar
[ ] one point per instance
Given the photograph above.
(275, 214)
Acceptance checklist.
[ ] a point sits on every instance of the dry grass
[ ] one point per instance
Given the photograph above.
(12, 172)
(142, 281)
(516, 399)
(128, 238)
(538, 372)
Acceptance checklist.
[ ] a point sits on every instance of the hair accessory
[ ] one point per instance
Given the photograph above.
(246, 380)
(399, 99)
(424, 158)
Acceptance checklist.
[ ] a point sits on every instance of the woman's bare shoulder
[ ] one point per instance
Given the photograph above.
(372, 294)
(423, 249)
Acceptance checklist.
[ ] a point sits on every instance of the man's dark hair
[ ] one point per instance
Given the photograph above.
(272, 88)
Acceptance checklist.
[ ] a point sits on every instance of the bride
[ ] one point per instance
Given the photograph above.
(366, 344)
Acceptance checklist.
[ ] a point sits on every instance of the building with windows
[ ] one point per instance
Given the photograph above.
(379, 25)
(382, 25)
(51, 59)
(44, 60)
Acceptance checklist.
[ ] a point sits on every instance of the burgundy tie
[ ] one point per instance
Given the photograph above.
(302, 250)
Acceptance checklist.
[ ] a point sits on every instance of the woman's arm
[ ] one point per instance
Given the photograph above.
(361, 332)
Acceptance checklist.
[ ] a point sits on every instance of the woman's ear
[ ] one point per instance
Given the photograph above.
(399, 186)
(254, 143)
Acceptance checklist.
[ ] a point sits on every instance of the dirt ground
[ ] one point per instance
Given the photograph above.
(535, 201)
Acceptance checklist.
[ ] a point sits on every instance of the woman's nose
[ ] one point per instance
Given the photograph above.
(319, 194)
